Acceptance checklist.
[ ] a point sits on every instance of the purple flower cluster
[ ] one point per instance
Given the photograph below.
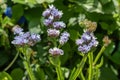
(87, 42)
(52, 11)
(24, 38)
(56, 51)
(52, 15)
(64, 38)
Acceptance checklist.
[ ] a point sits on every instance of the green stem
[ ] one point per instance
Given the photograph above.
(82, 76)
(26, 62)
(79, 68)
(97, 74)
(90, 76)
(16, 56)
(99, 54)
(29, 70)
(59, 73)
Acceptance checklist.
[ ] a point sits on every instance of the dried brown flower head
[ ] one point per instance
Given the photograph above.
(106, 41)
(89, 25)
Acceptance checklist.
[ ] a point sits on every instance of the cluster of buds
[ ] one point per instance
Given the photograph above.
(24, 38)
(89, 25)
(52, 16)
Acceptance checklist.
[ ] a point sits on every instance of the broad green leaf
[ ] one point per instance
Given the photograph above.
(116, 57)
(107, 74)
(3, 58)
(105, 1)
(49, 1)
(109, 27)
(109, 49)
(17, 12)
(104, 25)
(19, 1)
(40, 73)
(5, 76)
(15, 72)
(40, 1)
(67, 53)
(6, 21)
(74, 34)
(108, 8)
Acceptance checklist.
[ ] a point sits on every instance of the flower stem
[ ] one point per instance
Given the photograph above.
(59, 73)
(99, 54)
(82, 76)
(97, 74)
(29, 70)
(16, 56)
(80, 66)
(26, 62)
(90, 56)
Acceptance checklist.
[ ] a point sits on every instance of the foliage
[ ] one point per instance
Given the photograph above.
(28, 15)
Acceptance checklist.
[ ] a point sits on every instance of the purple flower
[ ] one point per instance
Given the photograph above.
(84, 48)
(26, 39)
(53, 32)
(56, 51)
(79, 41)
(64, 37)
(33, 39)
(17, 30)
(19, 40)
(87, 42)
(55, 12)
(46, 13)
(49, 21)
(52, 11)
(59, 25)
(86, 36)
(93, 43)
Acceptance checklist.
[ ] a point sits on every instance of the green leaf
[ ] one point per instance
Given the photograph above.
(6, 21)
(108, 8)
(40, 1)
(15, 72)
(19, 1)
(34, 26)
(109, 49)
(3, 58)
(40, 74)
(105, 1)
(66, 55)
(17, 12)
(5, 76)
(116, 57)
(107, 74)
(89, 5)
(74, 34)
(104, 25)
(49, 1)
(109, 27)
